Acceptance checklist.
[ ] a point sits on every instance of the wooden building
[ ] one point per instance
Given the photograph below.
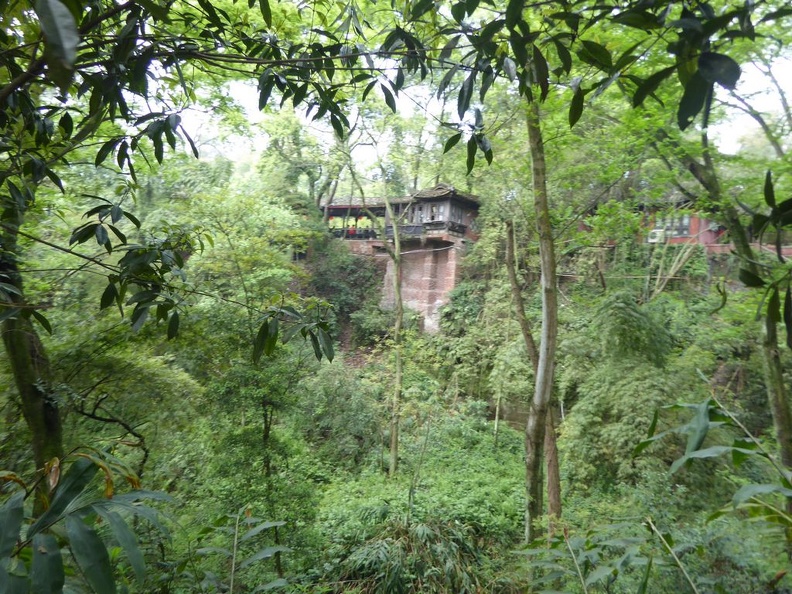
(434, 227)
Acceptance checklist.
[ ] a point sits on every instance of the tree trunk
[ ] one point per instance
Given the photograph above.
(537, 415)
(395, 254)
(31, 370)
(550, 447)
(553, 472)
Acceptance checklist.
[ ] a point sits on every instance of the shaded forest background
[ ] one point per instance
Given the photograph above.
(221, 368)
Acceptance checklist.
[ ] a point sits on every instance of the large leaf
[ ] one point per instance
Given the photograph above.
(472, 147)
(263, 554)
(11, 517)
(46, 572)
(61, 39)
(769, 192)
(748, 491)
(127, 540)
(465, 94)
(693, 99)
(642, 588)
(598, 574)
(649, 86)
(514, 11)
(259, 529)
(71, 485)
(326, 343)
(749, 279)
(576, 107)
(699, 426)
(13, 584)
(91, 555)
(717, 68)
(266, 12)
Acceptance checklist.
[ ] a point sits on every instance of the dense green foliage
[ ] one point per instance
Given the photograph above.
(196, 382)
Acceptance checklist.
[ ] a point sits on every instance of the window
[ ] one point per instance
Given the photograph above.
(676, 226)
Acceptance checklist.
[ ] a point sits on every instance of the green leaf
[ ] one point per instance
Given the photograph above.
(109, 296)
(11, 517)
(788, 316)
(389, 99)
(261, 338)
(46, 571)
(315, 344)
(509, 68)
(259, 529)
(769, 192)
(458, 11)
(61, 39)
(576, 106)
(653, 424)
(91, 555)
(139, 317)
(173, 325)
(66, 124)
(563, 55)
(42, 320)
(9, 313)
(420, 8)
(338, 127)
(193, 147)
(105, 150)
(693, 99)
(718, 68)
(326, 343)
(465, 94)
(472, 147)
(759, 223)
(700, 426)
(263, 554)
(639, 19)
(53, 177)
(128, 542)
(599, 574)
(452, 142)
(595, 54)
(448, 48)
(514, 11)
(749, 491)
(101, 235)
(644, 585)
(541, 72)
(776, 14)
(13, 584)
(749, 279)
(650, 85)
(774, 307)
(266, 12)
(710, 452)
(71, 485)
(272, 337)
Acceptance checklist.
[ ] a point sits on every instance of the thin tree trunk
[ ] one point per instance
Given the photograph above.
(550, 447)
(394, 252)
(537, 415)
(553, 472)
(393, 464)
